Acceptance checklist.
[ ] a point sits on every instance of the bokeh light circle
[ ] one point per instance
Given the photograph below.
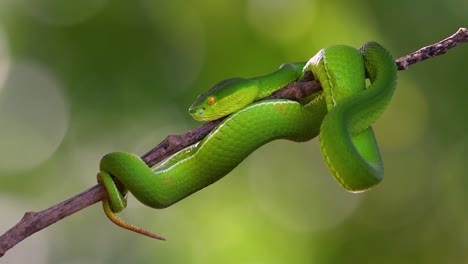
(4, 59)
(405, 121)
(295, 189)
(33, 117)
(33, 249)
(282, 21)
(183, 47)
(450, 183)
(62, 13)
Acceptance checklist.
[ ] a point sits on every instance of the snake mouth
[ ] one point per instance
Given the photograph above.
(197, 113)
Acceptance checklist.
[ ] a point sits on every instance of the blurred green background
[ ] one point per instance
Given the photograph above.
(82, 78)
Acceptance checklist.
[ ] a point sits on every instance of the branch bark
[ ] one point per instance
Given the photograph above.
(33, 222)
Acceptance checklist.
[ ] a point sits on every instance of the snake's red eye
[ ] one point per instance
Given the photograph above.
(210, 100)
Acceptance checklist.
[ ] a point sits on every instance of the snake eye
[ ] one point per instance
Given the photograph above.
(210, 100)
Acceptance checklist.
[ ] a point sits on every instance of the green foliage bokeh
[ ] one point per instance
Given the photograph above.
(82, 78)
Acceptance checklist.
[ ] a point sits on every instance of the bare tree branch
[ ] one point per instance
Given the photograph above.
(433, 50)
(32, 222)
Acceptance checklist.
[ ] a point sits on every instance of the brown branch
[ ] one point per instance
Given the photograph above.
(433, 50)
(35, 221)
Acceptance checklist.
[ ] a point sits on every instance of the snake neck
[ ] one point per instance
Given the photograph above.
(287, 73)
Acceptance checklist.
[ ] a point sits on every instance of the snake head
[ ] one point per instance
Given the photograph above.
(226, 97)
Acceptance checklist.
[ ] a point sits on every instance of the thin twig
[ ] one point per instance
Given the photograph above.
(433, 50)
(35, 221)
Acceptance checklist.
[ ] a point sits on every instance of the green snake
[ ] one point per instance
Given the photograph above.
(342, 113)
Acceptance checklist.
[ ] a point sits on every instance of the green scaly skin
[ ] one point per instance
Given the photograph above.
(233, 94)
(347, 140)
(201, 165)
(342, 114)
